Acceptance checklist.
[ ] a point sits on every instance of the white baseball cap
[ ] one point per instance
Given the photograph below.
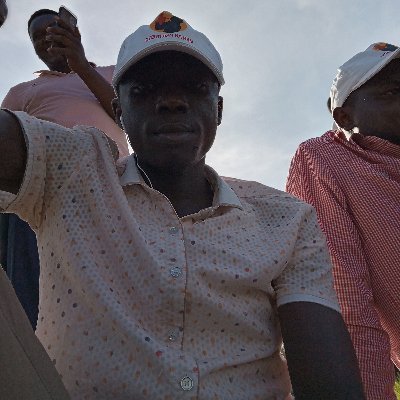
(167, 32)
(359, 69)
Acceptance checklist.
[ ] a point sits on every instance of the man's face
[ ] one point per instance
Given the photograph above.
(37, 33)
(375, 106)
(3, 12)
(171, 109)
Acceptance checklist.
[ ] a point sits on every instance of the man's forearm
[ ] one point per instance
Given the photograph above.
(320, 355)
(99, 86)
(13, 153)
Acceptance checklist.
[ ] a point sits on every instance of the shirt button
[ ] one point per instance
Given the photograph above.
(187, 383)
(173, 230)
(175, 272)
(172, 337)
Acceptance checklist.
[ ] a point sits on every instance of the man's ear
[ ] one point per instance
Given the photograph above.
(117, 112)
(220, 109)
(343, 118)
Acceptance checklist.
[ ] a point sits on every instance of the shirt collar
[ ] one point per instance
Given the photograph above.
(130, 174)
(376, 144)
(223, 193)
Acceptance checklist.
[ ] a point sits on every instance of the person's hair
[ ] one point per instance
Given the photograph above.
(38, 13)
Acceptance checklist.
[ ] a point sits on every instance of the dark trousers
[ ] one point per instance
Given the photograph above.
(19, 257)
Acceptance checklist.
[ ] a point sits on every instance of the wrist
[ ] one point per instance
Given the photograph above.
(82, 67)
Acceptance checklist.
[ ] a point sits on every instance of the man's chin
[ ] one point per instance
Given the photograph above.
(53, 62)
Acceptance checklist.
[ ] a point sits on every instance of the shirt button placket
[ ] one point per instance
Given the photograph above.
(175, 272)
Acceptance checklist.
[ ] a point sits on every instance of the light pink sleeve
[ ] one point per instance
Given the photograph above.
(13, 100)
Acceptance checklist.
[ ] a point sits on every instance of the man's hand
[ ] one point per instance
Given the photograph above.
(66, 41)
(320, 355)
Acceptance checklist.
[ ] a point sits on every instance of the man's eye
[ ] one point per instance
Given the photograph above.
(202, 86)
(137, 89)
(141, 89)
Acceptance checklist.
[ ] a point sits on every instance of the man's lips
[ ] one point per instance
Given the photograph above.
(174, 133)
(173, 129)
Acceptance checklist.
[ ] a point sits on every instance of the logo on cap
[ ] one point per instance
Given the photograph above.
(385, 47)
(168, 23)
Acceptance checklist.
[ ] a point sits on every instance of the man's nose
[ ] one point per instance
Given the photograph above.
(172, 102)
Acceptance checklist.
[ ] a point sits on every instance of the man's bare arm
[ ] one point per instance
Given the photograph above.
(320, 355)
(13, 153)
(68, 43)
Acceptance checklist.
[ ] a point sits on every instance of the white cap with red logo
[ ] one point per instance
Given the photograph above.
(359, 69)
(167, 32)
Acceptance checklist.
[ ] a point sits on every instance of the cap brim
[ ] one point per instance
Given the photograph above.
(373, 71)
(165, 46)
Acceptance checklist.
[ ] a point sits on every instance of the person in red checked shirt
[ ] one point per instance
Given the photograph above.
(351, 175)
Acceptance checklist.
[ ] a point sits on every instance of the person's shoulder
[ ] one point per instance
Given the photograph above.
(256, 192)
(107, 71)
(23, 85)
(105, 67)
(328, 139)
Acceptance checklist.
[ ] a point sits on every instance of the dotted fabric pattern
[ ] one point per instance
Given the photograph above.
(137, 303)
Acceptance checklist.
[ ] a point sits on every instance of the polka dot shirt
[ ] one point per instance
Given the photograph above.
(137, 303)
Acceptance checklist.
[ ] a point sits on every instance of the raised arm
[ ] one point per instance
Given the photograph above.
(351, 274)
(13, 153)
(68, 43)
(321, 359)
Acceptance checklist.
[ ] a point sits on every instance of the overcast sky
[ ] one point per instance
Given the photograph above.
(280, 57)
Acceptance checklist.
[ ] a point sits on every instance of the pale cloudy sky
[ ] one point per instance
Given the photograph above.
(279, 57)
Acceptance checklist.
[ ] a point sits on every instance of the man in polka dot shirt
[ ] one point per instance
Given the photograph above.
(160, 279)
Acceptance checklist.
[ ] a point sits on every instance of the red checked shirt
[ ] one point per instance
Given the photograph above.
(355, 187)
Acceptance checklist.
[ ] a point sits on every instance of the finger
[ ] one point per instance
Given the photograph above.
(63, 51)
(64, 25)
(77, 33)
(60, 41)
(57, 31)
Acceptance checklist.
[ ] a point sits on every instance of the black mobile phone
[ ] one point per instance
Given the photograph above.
(68, 17)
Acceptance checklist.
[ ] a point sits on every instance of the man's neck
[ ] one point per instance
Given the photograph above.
(188, 191)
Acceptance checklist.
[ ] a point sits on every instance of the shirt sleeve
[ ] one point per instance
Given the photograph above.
(307, 275)
(311, 180)
(54, 154)
(106, 72)
(13, 100)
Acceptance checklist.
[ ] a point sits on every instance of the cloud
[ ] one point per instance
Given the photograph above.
(279, 60)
